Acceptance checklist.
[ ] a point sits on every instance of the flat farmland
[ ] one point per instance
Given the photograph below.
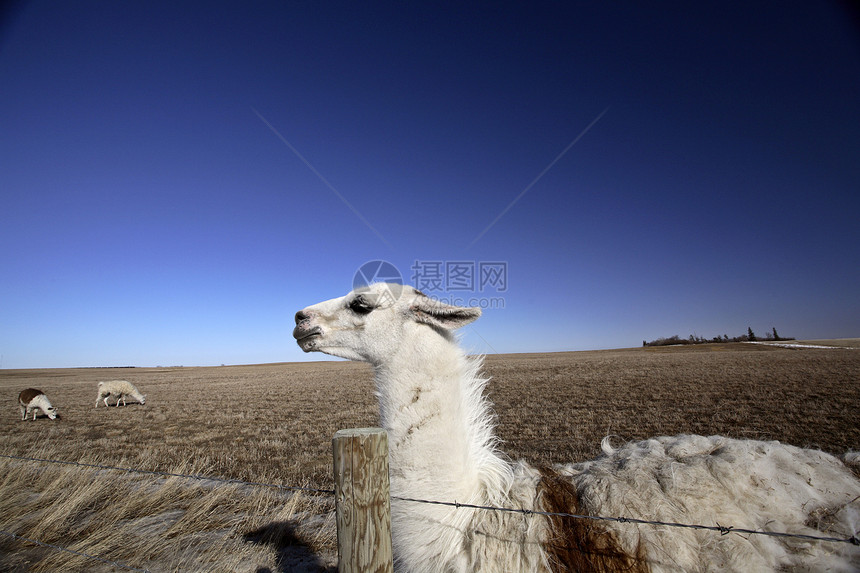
(273, 424)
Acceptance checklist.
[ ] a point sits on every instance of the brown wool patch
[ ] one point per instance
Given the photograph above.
(580, 545)
(27, 395)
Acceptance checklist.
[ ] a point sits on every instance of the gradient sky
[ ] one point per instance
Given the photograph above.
(179, 178)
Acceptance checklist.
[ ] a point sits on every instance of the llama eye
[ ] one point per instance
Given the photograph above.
(360, 306)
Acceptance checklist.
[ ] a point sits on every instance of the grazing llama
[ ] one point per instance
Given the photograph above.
(119, 389)
(32, 400)
(443, 447)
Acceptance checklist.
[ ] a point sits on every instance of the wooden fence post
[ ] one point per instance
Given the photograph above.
(363, 502)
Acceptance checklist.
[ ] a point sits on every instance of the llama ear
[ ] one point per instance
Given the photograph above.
(435, 313)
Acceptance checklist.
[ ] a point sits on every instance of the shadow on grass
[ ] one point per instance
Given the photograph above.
(293, 554)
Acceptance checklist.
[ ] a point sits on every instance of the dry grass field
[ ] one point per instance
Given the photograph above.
(273, 424)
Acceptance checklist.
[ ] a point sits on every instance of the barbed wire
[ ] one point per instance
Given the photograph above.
(179, 475)
(144, 472)
(722, 529)
(67, 550)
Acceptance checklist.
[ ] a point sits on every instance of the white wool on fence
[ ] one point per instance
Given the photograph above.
(119, 389)
(443, 447)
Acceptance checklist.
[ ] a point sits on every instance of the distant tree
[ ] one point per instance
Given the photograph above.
(775, 335)
(750, 334)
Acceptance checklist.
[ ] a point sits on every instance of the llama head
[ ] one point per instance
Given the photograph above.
(372, 323)
(45, 405)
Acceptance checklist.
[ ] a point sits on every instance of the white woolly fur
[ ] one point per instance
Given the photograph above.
(119, 389)
(443, 448)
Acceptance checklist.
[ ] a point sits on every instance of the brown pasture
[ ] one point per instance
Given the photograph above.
(273, 424)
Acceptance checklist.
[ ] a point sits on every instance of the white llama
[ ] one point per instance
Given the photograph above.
(32, 400)
(443, 447)
(119, 389)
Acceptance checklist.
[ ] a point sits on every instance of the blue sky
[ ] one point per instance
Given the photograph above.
(178, 179)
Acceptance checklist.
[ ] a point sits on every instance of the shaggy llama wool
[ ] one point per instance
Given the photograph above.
(443, 447)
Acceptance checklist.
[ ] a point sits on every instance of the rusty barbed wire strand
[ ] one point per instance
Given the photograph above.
(721, 529)
(172, 474)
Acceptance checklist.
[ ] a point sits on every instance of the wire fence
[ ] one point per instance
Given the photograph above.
(721, 529)
(179, 475)
(164, 474)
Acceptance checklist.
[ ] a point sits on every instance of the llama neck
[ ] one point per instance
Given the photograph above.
(441, 438)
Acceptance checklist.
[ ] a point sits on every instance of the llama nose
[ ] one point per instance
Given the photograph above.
(302, 316)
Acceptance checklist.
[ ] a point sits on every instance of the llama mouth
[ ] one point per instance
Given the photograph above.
(306, 338)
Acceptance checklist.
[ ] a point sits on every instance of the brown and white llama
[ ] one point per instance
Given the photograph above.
(443, 447)
(33, 400)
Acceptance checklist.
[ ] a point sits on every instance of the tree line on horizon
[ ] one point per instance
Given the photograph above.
(750, 336)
